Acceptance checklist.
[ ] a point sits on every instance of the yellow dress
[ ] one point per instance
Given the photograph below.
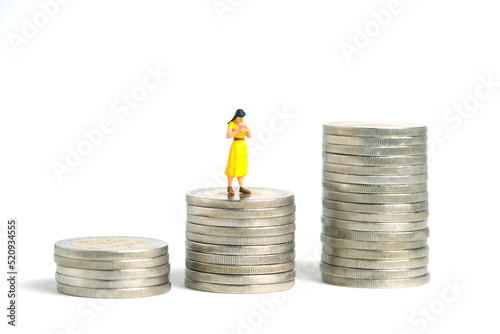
(237, 162)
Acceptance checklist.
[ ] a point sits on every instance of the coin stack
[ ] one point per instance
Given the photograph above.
(112, 267)
(375, 205)
(240, 243)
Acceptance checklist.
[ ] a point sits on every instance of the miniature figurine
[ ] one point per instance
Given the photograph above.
(237, 162)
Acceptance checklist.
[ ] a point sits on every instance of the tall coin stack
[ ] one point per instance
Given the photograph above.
(112, 267)
(375, 205)
(240, 243)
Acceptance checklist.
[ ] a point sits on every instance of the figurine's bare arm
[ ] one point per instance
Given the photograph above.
(231, 133)
(248, 133)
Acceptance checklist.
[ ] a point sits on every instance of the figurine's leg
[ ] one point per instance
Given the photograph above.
(242, 189)
(240, 181)
(230, 185)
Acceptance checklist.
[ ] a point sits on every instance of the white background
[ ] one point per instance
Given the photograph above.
(269, 58)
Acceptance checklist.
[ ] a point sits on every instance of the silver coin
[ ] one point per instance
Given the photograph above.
(375, 208)
(374, 129)
(375, 264)
(376, 254)
(371, 273)
(371, 245)
(376, 198)
(114, 274)
(375, 227)
(240, 260)
(378, 179)
(240, 241)
(241, 213)
(239, 279)
(110, 248)
(240, 231)
(241, 222)
(374, 141)
(374, 170)
(240, 270)
(114, 293)
(375, 151)
(259, 199)
(376, 217)
(375, 188)
(226, 288)
(112, 284)
(240, 250)
(376, 236)
(376, 283)
(111, 264)
(359, 160)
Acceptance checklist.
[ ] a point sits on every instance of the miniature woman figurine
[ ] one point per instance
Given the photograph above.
(237, 163)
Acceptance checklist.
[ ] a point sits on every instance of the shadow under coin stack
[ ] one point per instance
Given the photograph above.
(112, 267)
(375, 205)
(240, 243)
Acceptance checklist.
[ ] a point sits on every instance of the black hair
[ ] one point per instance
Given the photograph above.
(238, 113)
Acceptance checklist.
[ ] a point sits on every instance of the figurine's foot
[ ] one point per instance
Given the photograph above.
(230, 191)
(245, 191)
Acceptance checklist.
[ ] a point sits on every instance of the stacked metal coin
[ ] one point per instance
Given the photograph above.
(240, 243)
(375, 205)
(112, 267)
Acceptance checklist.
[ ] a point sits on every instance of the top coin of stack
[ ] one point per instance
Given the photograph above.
(112, 267)
(375, 205)
(240, 243)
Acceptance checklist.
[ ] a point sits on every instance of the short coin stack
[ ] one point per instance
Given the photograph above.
(375, 205)
(240, 243)
(112, 267)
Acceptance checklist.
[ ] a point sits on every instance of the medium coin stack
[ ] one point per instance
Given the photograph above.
(375, 205)
(240, 243)
(112, 267)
